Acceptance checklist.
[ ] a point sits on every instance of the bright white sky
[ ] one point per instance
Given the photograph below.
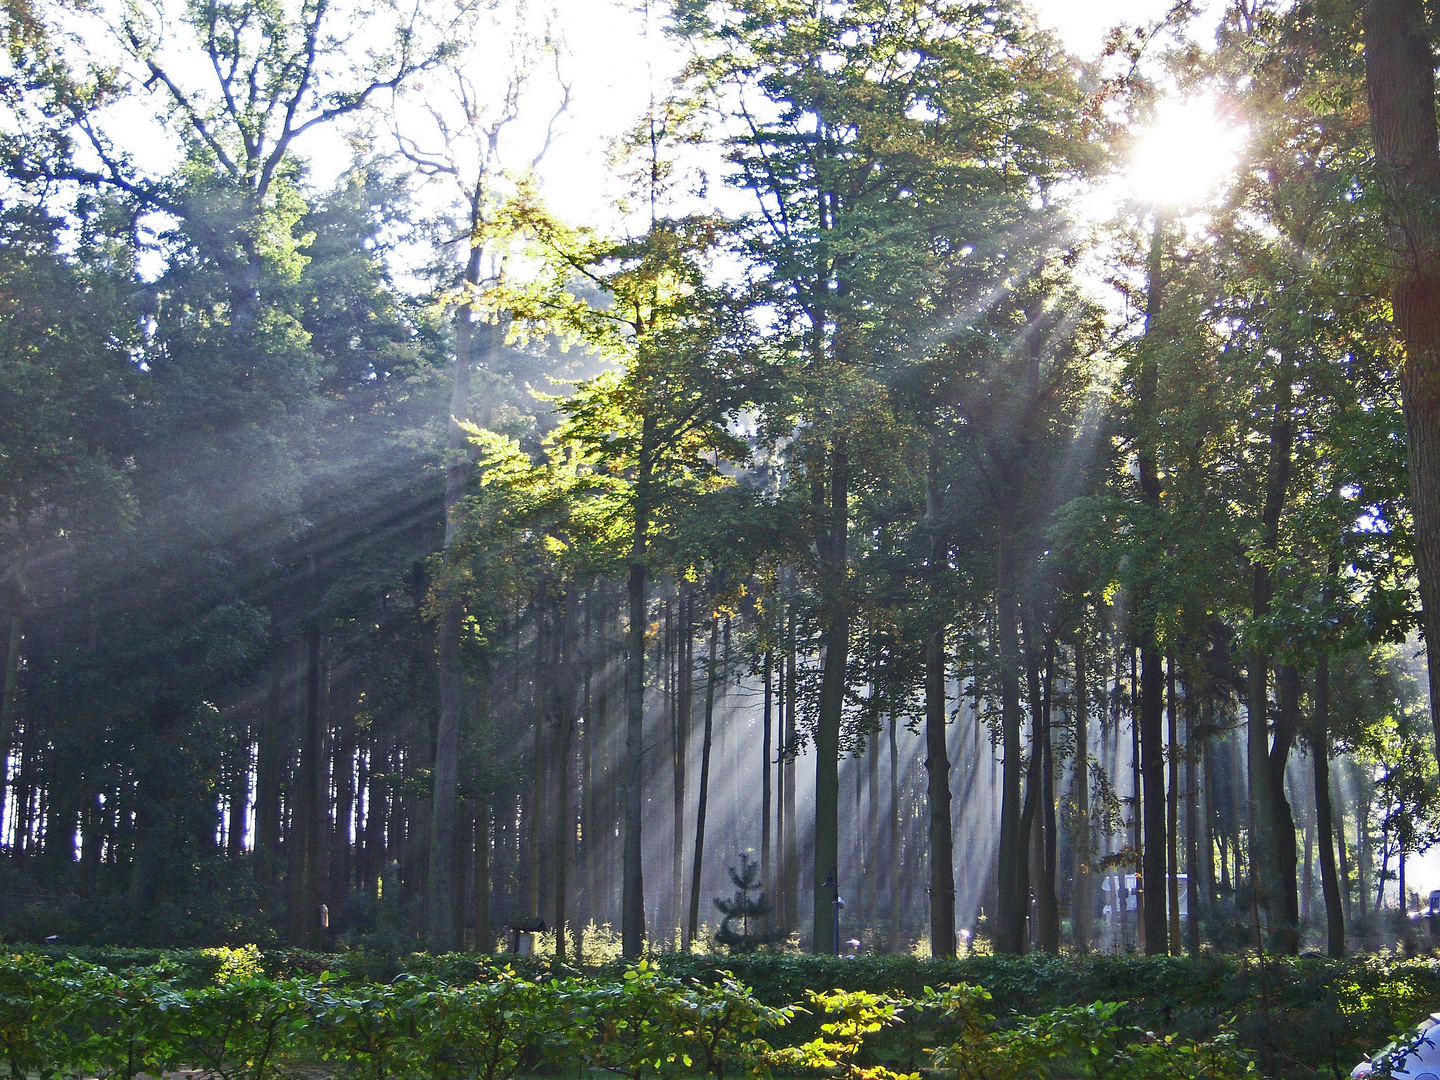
(612, 62)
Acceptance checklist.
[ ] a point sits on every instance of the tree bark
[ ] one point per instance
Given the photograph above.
(894, 942)
(632, 886)
(1400, 87)
(10, 701)
(484, 939)
(1150, 794)
(685, 676)
(1013, 901)
(1048, 905)
(836, 629)
(268, 766)
(937, 761)
(789, 836)
(1284, 934)
(459, 464)
(702, 801)
(1193, 904)
(765, 753)
(1324, 814)
(566, 685)
(1082, 915)
(1266, 827)
(1172, 807)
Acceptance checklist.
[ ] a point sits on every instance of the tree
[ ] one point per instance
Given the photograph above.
(1400, 87)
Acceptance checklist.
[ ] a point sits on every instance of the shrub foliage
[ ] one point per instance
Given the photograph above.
(243, 1015)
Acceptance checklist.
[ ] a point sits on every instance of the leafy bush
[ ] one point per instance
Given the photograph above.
(243, 1014)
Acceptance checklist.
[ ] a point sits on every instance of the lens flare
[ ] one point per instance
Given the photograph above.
(1185, 155)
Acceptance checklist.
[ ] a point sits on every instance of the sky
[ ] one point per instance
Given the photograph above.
(613, 65)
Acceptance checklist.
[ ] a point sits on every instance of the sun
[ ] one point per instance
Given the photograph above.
(1184, 156)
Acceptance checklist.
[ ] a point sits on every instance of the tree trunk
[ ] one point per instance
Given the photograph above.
(1343, 852)
(894, 943)
(538, 811)
(1266, 870)
(1320, 762)
(937, 761)
(1048, 900)
(685, 676)
(872, 820)
(765, 752)
(313, 775)
(1172, 808)
(1284, 933)
(459, 463)
(1193, 903)
(1029, 862)
(1400, 86)
(836, 629)
(789, 837)
(1207, 826)
(693, 926)
(484, 939)
(10, 701)
(268, 767)
(632, 901)
(1012, 902)
(1152, 770)
(566, 685)
(1150, 794)
(1082, 915)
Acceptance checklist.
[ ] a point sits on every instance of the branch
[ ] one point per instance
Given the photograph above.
(560, 110)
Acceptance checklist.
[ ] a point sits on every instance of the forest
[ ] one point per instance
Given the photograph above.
(967, 497)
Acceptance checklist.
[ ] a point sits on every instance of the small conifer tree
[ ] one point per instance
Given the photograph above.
(747, 907)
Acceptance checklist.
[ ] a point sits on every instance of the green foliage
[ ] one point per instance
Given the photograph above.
(34, 998)
(464, 1017)
(853, 1014)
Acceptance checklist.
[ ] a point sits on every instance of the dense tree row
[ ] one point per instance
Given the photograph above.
(949, 546)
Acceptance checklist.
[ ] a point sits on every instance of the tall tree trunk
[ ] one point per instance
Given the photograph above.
(317, 818)
(567, 683)
(1400, 86)
(1284, 934)
(459, 464)
(632, 901)
(894, 847)
(1193, 903)
(836, 630)
(765, 752)
(1150, 794)
(1208, 810)
(937, 761)
(1048, 900)
(268, 767)
(1082, 915)
(1320, 763)
(1342, 850)
(303, 839)
(789, 837)
(537, 812)
(1029, 869)
(782, 788)
(872, 819)
(1266, 827)
(484, 939)
(1172, 807)
(10, 701)
(1013, 899)
(1152, 771)
(701, 805)
(685, 676)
